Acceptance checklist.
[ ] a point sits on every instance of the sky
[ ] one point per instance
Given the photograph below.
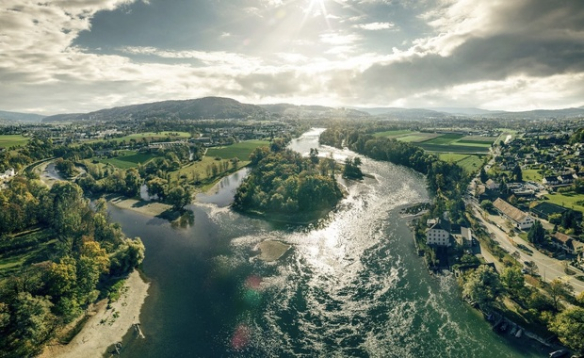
(71, 56)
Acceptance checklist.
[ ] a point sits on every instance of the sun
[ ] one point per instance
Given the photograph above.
(316, 6)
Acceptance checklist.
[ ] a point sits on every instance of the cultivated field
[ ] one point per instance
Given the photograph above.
(393, 134)
(150, 136)
(241, 150)
(7, 141)
(470, 163)
(127, 159)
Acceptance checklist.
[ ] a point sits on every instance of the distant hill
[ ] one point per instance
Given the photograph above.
(202, 108)
(539, 114)
(17, 117)
(464, 111)
(301, 111)
(405, 113)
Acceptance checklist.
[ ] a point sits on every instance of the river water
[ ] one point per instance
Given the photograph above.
(351, 287)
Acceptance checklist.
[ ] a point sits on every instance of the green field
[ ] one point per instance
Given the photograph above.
(199, 170)
(7, 141)
(390, 134)
(151, 136)
(241, 150)
(567, 200)
(452, 157)
(444, 139)
(417, 137)
(470, 163)
(439, 148)
(128, 159)
(471, 143)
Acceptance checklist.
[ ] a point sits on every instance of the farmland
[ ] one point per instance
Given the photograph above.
(442, 142)
(127, 159)
(150, 136)
(7, 141)
(241, 150)
(470, 163)
(393, 134)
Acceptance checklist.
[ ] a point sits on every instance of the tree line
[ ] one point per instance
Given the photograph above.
(73, 267)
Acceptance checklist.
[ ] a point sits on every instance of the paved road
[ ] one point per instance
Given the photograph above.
(549, 268)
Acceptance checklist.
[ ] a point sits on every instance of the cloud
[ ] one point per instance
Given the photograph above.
(498, 54)
(373, 26)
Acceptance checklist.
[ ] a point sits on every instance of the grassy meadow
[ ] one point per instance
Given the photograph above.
(241, 150)
(7, 141)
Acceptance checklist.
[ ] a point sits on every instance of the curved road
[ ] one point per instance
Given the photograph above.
(549, 268)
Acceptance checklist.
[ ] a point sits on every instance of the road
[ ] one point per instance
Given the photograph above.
(549, 268)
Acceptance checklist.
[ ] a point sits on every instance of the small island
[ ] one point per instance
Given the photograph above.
(288, 186)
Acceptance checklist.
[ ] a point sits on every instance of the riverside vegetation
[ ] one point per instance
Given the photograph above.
(57, 256)
(283, 182)
(541, 308)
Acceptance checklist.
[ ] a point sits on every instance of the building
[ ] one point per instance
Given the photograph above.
(551, 180)
(520, 219)
(491, 184)
(438, 234)
(567, 243)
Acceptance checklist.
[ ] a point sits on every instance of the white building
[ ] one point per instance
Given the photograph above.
(520, 219)
(438, 235)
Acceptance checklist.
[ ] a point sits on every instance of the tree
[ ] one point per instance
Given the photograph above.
(157, 186)
(559, 289)
(536, 233)
(133, 182)
(517, 174)
(483, 175)
(178, 197)
(487, 205)
(352, 170)
(512, 279)
(569, 326)
(314, 155)
(483, 286)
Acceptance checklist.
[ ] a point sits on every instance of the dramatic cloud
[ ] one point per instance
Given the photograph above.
(74, 56)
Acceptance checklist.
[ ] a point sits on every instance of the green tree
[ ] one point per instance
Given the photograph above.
(483, 175)
(558, 289)
(133, 182)
(536, 233)
(483, 286)
(487, 205)
(178, 197)
(517, 174)
(569, 326)
(512, 279)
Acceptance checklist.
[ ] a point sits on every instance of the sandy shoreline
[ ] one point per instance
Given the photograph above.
(151, 208)
(272, 250)
(105, 327)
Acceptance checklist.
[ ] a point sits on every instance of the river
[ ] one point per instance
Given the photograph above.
(351, 287)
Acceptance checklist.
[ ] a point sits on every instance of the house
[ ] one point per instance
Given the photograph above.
(566, 178)
(491, 184)
(551, 180)
(466, 235)
(438, 234)
(520, 219)
(567, 243)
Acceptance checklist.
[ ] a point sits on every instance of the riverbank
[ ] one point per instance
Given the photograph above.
(150, 208)
(105, 327)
